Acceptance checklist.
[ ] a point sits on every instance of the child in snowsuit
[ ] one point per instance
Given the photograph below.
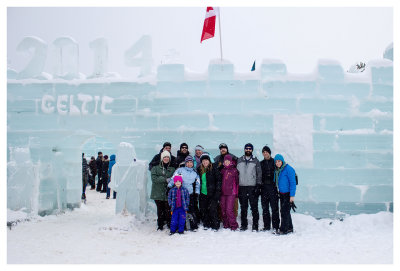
(229, 193)
(178, 199)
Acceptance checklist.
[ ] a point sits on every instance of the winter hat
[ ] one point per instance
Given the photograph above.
(205, 156)
(199, 148)
(228, 157)
(223, 145)
(165, 153)
(249, 145)
(99, 153)
(183, 145)
(106, 156)
(178, 178)
(92, 158)
(279, 157)
(166, 144)
(188, 158)
(267, 149)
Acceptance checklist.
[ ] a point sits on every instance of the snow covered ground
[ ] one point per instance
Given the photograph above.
(94, 234)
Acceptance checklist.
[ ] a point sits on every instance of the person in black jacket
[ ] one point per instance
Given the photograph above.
(157, 158)
(210, 193)
(181, 155)
(269, 192)
(223, 150)
(104, 175)
(85, 176)
(99, 163)
(93, 173)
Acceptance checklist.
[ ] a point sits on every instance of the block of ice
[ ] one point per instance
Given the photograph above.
(22, 181)
(330, 71)
(35, 66)
(142, 47)
(129, 180)
(171, 72)
(388, 54)
(381, 71)
(271, 68)
(67, 58)
(220, 70)
(336, 193)
(100, 50)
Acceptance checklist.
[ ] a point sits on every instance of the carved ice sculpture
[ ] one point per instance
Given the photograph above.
(22, 181)
(129, 180)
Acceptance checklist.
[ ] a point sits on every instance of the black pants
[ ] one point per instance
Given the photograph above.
(209, 211)
(163, 213)
(286, 218)
(269, 197)
(194, 211)
(248, 194)
(99, 182)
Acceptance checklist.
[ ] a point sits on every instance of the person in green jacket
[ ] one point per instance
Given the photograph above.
(160, 175)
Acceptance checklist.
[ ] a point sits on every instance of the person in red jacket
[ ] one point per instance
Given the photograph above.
(229, 193)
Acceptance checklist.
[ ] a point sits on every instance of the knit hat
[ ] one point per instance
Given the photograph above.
(223, 145)
(166, 144)
(199, 148)
(184, 145)
(228, 157)
(188, 158)
(165, 153)
(279, 157)
(205, 156)
(106, 156)
(178, 178)
(92, 158)
(249, 145)
(267, 149)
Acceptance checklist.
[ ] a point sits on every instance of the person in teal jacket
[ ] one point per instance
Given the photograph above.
(285, 180)
(110, 165)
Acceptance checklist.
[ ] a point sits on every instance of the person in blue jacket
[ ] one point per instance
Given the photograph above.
(112, 162)
(191, 181)
(285, 180)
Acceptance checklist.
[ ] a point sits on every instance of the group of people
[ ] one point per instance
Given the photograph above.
(102, 167)
(189, 190)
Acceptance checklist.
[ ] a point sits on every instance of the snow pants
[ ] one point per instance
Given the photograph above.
(270, 197)
(194, 211)
(163, 213)
(248, 194)
(227, 204)
(178, 220)
(209, 211)
(286, 218)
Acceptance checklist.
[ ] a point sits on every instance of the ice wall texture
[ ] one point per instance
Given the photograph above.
(335, 128)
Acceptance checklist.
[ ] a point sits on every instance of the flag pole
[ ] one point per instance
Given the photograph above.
(220, 39)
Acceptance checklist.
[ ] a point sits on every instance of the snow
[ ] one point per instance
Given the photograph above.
(93, 234)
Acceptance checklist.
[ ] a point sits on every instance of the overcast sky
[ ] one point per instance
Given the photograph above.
(297, 36)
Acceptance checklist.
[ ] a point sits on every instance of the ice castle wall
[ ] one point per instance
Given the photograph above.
(335, 128)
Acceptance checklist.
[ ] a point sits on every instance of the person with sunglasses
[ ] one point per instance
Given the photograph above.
(181, 155)
(249, 179)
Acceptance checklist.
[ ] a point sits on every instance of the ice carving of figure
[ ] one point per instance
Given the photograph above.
(22, 181)
(129, 180)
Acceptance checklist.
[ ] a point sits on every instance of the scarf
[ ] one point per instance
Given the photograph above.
(178, 198)
(277, 173)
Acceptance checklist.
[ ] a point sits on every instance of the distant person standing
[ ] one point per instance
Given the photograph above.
(285, 179)
(93, 173)
(160, 175)
(85, 176)
(269, 192)
(110, 165)
(104, 175)
(181, 155)
(99, 163)
(157, 158)
(249, 178)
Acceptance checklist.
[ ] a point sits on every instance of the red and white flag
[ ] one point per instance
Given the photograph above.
(209, 23)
